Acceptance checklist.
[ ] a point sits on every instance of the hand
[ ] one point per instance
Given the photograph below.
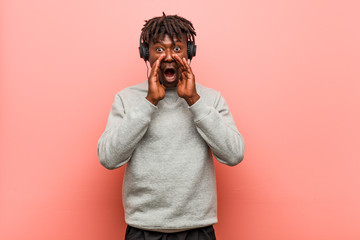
(186, 84)
(156, 90)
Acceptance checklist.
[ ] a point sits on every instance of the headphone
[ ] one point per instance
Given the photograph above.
(144, 50)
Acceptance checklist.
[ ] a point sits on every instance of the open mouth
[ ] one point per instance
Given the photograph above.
(170, 74)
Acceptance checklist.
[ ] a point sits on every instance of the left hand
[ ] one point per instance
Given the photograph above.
(186, 85)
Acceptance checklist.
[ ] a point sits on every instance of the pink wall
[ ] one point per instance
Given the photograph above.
(289, 71)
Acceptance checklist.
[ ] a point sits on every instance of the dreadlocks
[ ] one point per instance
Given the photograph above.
(172, 25)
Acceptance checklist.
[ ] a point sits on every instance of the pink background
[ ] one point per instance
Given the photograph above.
(289, 71)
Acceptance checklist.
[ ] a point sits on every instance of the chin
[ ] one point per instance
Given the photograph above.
(170, 84)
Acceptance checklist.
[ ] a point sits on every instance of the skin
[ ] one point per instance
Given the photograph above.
(163, 53)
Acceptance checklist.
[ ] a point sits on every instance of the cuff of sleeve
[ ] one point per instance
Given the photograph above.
(199, 110)
(153, 107)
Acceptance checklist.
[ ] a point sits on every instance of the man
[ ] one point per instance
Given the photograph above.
(166, 130)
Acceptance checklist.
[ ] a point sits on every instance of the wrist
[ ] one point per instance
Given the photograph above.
(193, 99)
(155, 102)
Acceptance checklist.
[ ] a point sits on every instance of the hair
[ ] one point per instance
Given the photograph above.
(173, 25)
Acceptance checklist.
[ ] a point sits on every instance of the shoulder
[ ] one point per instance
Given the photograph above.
(209, 95)
(140, 88)
(132, 94)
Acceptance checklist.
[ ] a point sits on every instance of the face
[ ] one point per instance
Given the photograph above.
(168, 73)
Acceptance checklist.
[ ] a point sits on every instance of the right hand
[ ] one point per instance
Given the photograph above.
(156, 90)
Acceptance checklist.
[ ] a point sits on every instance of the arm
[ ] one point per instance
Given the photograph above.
(123, 132)
(218, 129)
(125, 128)
(215, 124)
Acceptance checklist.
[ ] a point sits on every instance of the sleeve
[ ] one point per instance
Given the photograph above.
(217, 127)
(123, 131)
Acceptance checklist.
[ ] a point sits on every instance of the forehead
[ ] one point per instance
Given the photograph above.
(167, 39)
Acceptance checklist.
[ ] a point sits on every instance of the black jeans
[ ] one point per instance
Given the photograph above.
(204, 233)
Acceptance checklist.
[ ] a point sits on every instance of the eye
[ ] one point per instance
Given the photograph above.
(177, 49)
(159, 49)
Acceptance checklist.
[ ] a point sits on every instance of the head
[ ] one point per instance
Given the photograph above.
(168, 35)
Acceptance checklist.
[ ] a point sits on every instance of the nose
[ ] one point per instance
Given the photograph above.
(168, 56)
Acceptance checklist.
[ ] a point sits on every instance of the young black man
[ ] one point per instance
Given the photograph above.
(166, 130)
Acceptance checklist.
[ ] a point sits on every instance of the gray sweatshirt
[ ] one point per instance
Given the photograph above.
(169, 183)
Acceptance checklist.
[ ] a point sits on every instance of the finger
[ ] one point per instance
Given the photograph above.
(158, 61)
(187, 66)
(156, 66)
(179, 63)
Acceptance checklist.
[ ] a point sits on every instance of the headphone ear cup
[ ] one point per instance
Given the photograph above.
(191, 50)
(144, 52)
